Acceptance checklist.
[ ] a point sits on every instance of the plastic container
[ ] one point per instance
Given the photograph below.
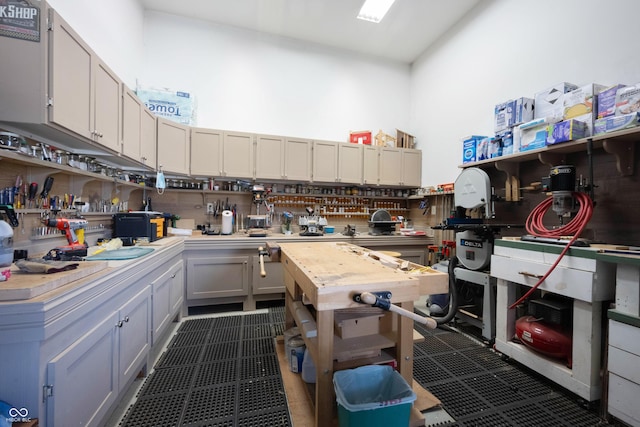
(6, 244)
(373, 396)
(296, 353)
(308, 368)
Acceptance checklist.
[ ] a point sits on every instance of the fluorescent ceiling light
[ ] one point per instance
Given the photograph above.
(374, 10)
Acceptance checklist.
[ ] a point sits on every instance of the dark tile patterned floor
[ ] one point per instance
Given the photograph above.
(223, 371)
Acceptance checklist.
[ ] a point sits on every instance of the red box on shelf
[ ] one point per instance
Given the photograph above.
(363, 137)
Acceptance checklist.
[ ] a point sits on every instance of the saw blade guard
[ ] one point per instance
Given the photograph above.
(472, 190)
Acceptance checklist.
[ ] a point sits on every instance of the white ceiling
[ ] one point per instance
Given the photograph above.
(408, 29)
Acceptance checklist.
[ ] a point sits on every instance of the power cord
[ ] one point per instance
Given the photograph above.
(575, 227)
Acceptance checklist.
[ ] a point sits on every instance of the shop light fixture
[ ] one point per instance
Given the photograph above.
(374, 10)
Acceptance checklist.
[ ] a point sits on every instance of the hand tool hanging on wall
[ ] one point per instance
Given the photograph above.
(383, 301)
(44, 196)
(33, 190)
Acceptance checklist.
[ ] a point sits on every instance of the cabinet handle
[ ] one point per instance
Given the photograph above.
(119, 324)
(126, 319)
(173, 276)
(527, 274)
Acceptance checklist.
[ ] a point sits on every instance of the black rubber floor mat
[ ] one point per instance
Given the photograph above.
(221, 371)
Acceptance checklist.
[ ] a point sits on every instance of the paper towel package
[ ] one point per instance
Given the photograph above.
(567, 130)
(628, 100)
(613, 123)
(607, 101)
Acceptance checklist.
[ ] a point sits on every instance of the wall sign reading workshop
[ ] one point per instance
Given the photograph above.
(176, 106)
(20, 19)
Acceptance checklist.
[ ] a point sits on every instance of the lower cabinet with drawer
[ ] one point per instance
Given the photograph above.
(623, 363)
(584, 283)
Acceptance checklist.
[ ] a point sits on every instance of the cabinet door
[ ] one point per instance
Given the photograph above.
(350, 163)
(206, 152)
(173, 146)
(83, 377)
(131, 124)
(370, 165)
(107, 101)
(390, 166)
(176, 296)
(412, 168)
(297, 159)
(165, 299)
(269, 157)
(325, 161)
(148, 140)
(71, 83)
(273, 282)
(237, 155)
(216, 277)
(134, 326)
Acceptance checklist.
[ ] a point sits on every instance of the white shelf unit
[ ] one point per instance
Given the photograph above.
(578, 276)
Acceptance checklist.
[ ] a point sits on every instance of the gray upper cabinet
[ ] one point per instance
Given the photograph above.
(237, 155)
(173, 146)
(370, 164)
(400, 167)
(270, 155)
(85, 95)
(297, 160)
(325, 161)
(206, 152)
(350, 163)
(138, 129)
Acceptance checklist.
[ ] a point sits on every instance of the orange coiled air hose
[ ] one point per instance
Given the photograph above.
(573, 228)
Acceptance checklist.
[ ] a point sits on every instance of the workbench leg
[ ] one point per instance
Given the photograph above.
(404, 346)
(325, 394)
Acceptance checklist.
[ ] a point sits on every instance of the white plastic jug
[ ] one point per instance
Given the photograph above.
(6, 244)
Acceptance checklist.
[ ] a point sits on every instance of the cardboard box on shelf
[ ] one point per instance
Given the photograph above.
(506, 142)
(504, 116)
(549, 103)
(482, 148)
(567, 130)
(613, 123)
(581, 101)
(523, 110)
(361, 137)
(607, 101)
(404, 140)
(469, 144)
(531, 135)
(628, 100)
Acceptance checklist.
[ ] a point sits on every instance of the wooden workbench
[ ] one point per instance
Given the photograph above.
(329, 274)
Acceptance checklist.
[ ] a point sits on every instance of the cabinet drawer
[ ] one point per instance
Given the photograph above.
(625, 337)
(623, 399)
(624, 364)
(578, 284)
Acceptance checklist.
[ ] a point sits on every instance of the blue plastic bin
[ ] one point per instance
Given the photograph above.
(373, 396)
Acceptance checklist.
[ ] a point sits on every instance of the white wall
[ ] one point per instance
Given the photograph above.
(113, 29)
(246, 81)
(507, 49)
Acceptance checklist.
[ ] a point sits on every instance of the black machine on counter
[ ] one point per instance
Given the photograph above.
(381, 223)
(131, 226)
(312, 225)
